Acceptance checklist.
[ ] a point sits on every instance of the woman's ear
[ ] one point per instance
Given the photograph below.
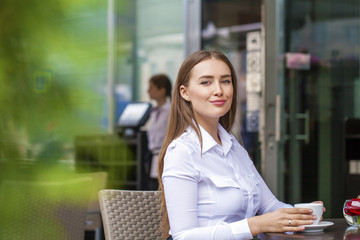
(184, 94)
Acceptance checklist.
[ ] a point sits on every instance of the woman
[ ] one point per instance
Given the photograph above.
(160, 91)
(210, 187)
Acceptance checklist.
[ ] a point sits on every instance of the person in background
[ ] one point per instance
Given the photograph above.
(160, 91)
(209, 186)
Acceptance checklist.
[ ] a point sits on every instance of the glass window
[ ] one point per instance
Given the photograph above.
(322, 98)
(225, 25)
(159, 41)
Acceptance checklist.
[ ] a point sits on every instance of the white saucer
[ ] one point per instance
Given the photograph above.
(318, 227)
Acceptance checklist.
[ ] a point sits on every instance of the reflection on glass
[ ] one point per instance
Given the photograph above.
(352, 233)
(225, 26)
(351, 212)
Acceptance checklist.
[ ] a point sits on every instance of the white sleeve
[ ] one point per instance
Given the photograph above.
(269, 202)
(180, 180)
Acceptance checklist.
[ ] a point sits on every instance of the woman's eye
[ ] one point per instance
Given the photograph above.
(227, 81)
(205, 83)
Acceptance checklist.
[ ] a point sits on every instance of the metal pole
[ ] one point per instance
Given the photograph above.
(270, 134)
(192, 28)
(111, 64)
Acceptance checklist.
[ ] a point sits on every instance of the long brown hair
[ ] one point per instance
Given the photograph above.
(181, 115)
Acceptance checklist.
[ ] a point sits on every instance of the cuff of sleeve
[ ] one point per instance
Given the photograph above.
(241, 230)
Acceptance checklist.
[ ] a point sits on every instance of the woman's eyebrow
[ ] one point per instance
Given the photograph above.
(226, 76)
(210, 76)
(206, 76)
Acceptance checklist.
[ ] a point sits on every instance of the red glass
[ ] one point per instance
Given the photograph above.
(351, 211)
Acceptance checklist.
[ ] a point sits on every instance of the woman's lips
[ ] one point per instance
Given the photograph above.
(218, 102)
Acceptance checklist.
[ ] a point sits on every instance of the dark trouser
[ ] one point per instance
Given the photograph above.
(153, 185)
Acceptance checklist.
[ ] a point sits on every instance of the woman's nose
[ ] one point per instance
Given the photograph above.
(217, 88)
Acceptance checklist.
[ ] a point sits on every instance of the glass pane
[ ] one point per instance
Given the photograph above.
(328, 91)
(225, 25)
(159, 41)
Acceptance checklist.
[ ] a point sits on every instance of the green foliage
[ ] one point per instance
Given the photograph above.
(45, 209)
(52, 74)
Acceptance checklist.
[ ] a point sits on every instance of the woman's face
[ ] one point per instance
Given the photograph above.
(210, 90)
(156, 93)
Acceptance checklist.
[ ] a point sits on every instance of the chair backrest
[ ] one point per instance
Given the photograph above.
(130, 214)
(44, 210)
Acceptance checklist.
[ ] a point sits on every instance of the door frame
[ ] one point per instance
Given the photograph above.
(271, 116)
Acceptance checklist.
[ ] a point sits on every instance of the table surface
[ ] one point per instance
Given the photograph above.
(340, 230)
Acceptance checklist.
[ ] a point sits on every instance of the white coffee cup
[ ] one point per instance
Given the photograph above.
(316, 207)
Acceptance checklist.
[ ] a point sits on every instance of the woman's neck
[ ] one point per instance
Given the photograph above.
(160, 102)
(212, 128)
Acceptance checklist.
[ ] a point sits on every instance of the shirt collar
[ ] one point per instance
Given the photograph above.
(226, 139)
(209, 142)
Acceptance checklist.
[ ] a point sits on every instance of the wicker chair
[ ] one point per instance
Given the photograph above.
(130, 215)
(44, 210)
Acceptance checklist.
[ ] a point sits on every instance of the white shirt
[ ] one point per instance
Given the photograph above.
(156, 131)
(211, 195)
(156, 128)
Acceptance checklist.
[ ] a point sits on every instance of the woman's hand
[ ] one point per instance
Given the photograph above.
(281, 220)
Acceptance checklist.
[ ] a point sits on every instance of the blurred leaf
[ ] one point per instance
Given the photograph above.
(52, 72)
